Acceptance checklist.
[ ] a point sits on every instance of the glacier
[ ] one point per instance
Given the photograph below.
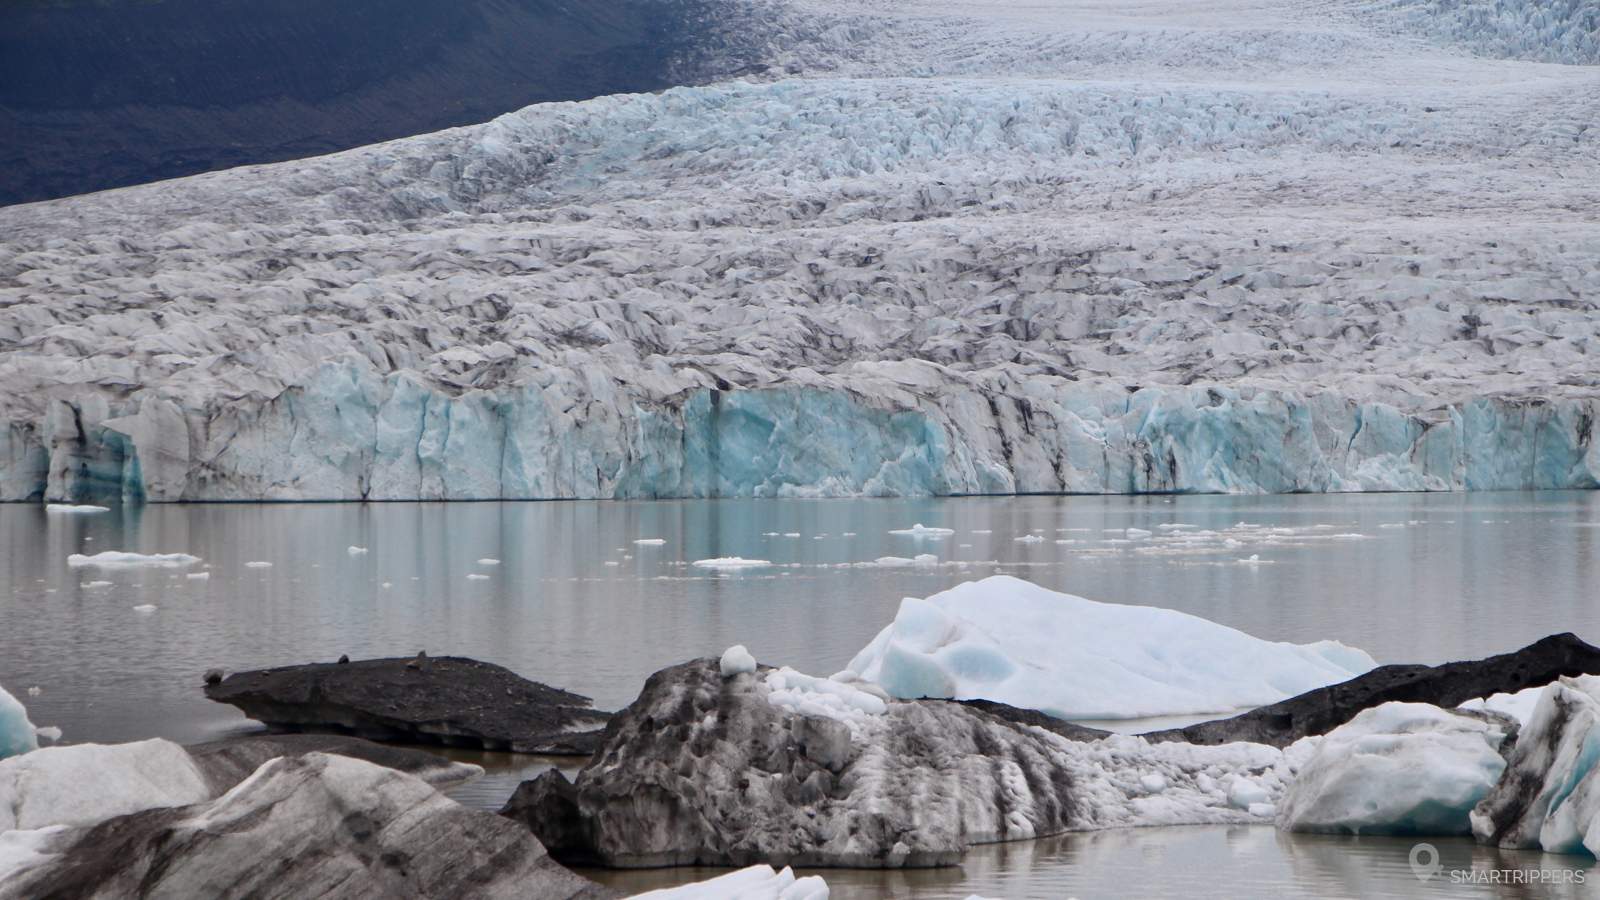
(925, 247)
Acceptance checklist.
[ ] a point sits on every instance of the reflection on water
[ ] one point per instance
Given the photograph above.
(1198, 863)
(576, 603)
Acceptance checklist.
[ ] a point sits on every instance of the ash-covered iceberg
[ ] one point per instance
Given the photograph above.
(1006, 640)
(1550, 795)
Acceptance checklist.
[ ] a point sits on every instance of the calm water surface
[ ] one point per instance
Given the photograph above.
(575, 603)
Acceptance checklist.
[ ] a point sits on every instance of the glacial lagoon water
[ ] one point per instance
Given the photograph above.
(575, 602)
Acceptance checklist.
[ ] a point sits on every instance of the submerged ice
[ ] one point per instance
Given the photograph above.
(960, 248)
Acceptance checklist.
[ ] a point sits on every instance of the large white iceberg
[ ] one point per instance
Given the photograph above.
(1549, 796)
(1398, 768)
(87, 783)
(1007, 640)
(17, 734)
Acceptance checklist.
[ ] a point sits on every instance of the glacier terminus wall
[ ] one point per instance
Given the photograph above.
(929, 248)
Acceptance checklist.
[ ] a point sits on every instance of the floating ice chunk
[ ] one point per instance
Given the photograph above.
(145, 608)
(117, 559)
(1399, 768)
(1029, 539)
(610, 563)
(813, 696)
(847, 534)
(1175, 526)
(95, 584)
(353, 550)
(478, 576)
(1137, 533)
(791, 534)
(731, 563)
(896, 562)
(386, 585)
(983, 531)
(197, 576)
(17, 734)
(88, 783)
(920, 530)
(71, 509)
(487, 561)
(258, 564)
(1007, 640)
(755, 883)
(1392, 525)
(736, 660)
(1519, 706)
(650, 542)
(1549, 796)
(48, 732)
(35, 691)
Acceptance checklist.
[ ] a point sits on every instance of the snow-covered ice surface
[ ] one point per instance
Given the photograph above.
(752, 883)
(1007, 640)
(1398, 768)
(87, 783)
(17, 734)
(937, 246)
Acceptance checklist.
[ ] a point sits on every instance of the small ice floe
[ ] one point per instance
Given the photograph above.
(791, 534)
(1175, 526)
(50, 733)
(731, 563)
(769, 534)
(353, 550)
(983, 531)
(145, 608)
(847, 534)
(197, 576)
(117, 559)
(95, 584)
(477, 576)
(650, 542)
(386, 585)
(1137, 533)
(70, 509)
(1392, 525)
(1029, 539)
(35, 691)
(899, 562)
(1255, 560)
(612, 564)
(920, 530)
(736, 660)
(258, 564)
(1066, 540)
(486, 561)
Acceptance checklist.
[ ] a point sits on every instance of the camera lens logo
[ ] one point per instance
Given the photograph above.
(1425, 861)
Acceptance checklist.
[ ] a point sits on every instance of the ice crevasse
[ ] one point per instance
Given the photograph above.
(887, 429)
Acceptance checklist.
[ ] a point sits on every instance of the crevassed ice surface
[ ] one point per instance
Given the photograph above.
(933, 248)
